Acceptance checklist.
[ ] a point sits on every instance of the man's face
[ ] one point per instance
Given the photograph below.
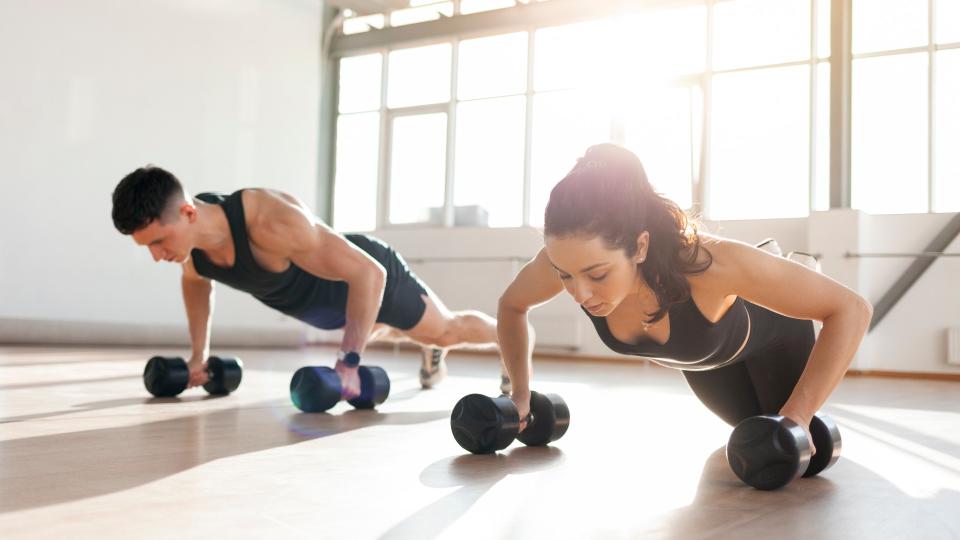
(167, 240)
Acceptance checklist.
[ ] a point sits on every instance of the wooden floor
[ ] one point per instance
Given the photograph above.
(85, 453)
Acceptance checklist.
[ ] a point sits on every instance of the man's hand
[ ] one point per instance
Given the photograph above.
(198, 372)
(349, 380)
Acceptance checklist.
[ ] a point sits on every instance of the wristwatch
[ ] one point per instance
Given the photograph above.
(351, 359)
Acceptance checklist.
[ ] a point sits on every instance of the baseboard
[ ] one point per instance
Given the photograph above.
(954, 377)
(53, 332)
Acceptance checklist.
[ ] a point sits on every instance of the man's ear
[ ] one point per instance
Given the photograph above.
(643, 245)
(189, 211)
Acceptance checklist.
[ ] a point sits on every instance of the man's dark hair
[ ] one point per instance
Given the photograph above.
(142, 197)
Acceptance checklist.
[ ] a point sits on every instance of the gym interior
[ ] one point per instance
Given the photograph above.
(824, 132)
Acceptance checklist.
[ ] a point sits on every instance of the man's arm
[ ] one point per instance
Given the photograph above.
(287, 228)
(198, 298)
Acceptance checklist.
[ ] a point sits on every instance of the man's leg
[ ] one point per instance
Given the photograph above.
(440, 329)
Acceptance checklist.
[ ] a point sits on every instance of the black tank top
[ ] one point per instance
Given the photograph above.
(696, 344)
(295, 292)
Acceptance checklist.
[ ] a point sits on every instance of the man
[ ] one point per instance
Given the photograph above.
(267, 243)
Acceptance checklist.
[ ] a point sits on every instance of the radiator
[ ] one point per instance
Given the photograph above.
(953, 345)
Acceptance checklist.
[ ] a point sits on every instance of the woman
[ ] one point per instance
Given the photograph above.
(734, 318)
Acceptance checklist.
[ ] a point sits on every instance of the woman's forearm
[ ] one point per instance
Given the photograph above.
(515, 346)
(830, 358)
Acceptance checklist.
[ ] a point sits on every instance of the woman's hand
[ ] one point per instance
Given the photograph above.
(522, 401)
(803, 422)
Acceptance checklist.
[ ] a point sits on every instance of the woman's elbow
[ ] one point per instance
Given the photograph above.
(864, 310)
(507, 305)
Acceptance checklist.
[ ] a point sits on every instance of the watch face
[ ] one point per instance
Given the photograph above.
(351, 359)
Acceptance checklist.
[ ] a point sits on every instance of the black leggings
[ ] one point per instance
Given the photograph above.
(764, 379)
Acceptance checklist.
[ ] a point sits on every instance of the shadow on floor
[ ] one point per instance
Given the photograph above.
(475, 475)
(53, 469)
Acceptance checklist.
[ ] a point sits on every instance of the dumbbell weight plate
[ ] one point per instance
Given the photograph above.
(374, 387)
(826, 438)
(483, 425)
(165, 376)
(315, 388)
(225, 375)
(550, 419)
(767, 452)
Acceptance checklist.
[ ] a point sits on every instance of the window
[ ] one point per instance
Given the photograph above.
(760, 144)
(418, 161)
(489, 158)
(947, 21)
(882, 25)
(889, 131)
(946, 189)
(758, 32)
(475, 6)
(648, 80)
(355, 185)
(564, 125)
(419, 76)
(660, 129)
(360, 83)
(493, 66)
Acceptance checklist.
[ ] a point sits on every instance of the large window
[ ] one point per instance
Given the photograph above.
(477, 129)
(906, 123)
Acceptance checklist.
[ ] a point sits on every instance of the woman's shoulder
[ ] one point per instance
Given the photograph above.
(723, 255)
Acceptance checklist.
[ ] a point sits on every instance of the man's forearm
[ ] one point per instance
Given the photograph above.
(364, 299)
(198, 299)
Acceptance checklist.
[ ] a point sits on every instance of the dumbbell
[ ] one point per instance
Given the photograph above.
(483, 425)
(167, 376)
(317, 388)
(767, 452)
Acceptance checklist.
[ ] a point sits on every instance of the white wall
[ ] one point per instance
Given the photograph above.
(224, 93)
(911, 338)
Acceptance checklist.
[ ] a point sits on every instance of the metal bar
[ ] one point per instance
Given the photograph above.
(329, 74)
(915, 271)
(420, 260)
(451, 147)
(528, 128)
(931, 97)
(841, 67)
(814, 106)
(933, 254)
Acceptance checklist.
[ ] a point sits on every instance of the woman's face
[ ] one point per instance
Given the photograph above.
(597, 277)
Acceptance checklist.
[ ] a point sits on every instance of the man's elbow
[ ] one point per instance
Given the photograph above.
(377, 276)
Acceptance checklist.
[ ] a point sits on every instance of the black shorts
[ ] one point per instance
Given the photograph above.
(403, 304)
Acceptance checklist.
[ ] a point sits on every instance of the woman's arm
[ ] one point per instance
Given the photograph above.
(536, 283)
(796, 291)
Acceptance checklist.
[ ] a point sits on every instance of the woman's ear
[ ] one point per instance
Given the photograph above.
(643, 245)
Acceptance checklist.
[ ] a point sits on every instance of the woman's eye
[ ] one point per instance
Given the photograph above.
(598, 278)
(564, 278)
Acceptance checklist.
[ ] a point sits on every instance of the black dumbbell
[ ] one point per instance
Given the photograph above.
(767, 452)
(317, 388)
(166, 376)
(483, 425)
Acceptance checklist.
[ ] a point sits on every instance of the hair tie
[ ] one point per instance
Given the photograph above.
(594, 164)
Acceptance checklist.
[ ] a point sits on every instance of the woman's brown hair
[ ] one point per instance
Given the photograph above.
(607, 194)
